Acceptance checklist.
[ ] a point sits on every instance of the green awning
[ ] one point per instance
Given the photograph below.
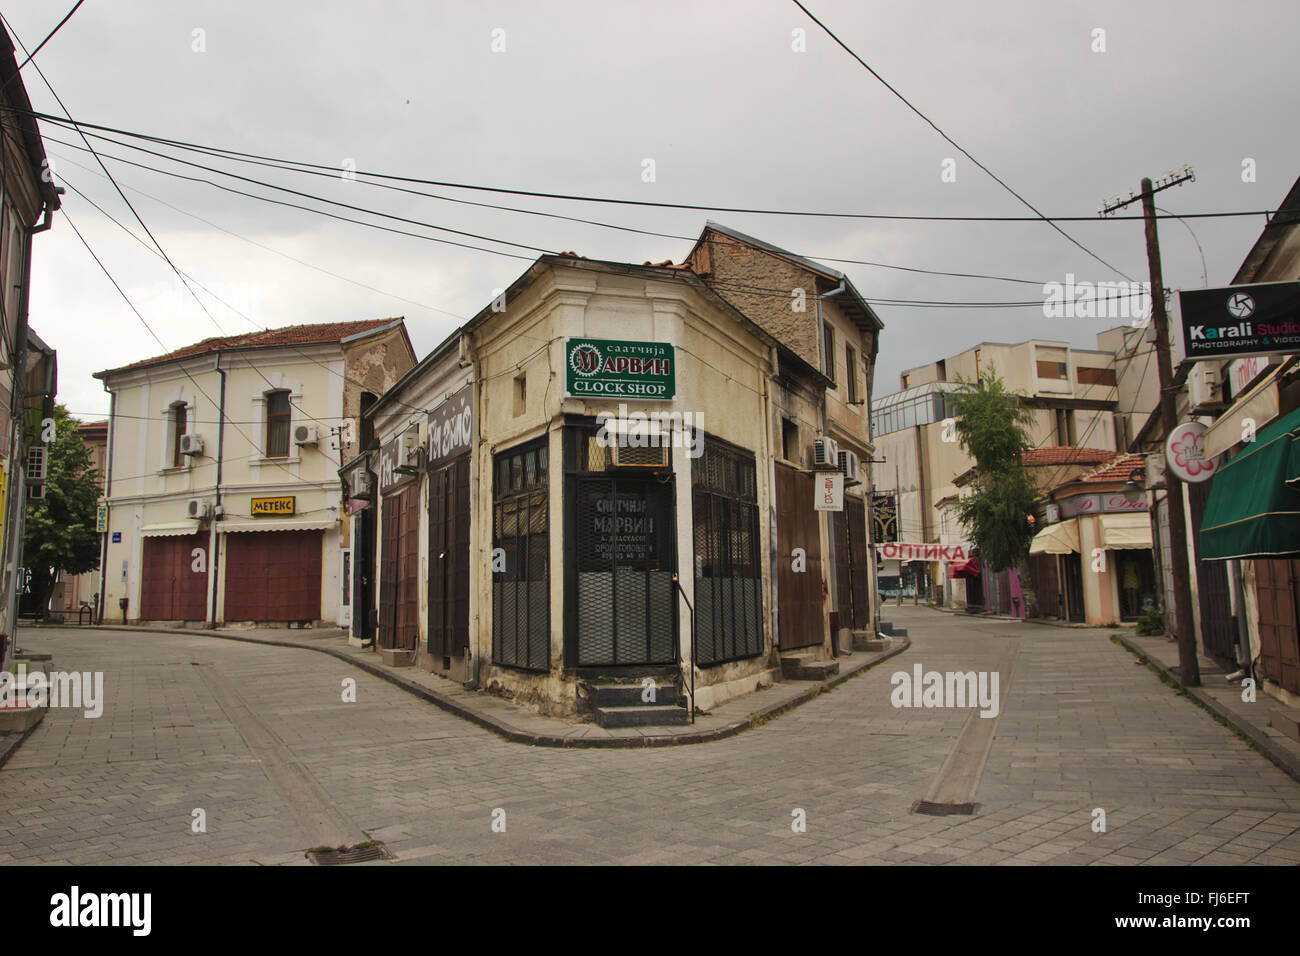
(1254, 505)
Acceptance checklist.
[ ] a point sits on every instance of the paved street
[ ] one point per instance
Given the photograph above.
(260, 739)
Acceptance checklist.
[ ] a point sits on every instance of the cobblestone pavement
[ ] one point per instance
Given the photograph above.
(261, 740)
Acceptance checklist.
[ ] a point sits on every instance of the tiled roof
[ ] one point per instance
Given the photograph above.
(289, 335)
(1117, 470)
(1067, 455)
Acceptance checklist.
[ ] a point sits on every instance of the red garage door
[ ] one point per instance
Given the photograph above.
(170, 588)
(273, 576)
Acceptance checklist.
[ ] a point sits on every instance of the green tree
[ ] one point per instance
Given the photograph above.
(60, 533)
(992, 426)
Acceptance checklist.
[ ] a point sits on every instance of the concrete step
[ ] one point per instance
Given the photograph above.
(866, 641)
(18, 720)
(631, 695)
(807, 667)
(397, 657)
(642, 715)
(892, 630)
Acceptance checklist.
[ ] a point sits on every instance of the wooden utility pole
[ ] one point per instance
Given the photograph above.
(1189, 668)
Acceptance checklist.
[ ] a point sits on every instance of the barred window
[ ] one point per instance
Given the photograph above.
(521, 567)
(728, 576)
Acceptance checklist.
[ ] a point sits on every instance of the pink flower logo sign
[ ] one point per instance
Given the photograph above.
(1185, 452)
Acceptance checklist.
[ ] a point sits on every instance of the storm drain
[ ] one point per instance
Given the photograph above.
(337, 856)
(931, 809)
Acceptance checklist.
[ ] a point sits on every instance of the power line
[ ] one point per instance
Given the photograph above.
(302, 262)
(247, 318)
(129, 206)
(58, 26)
(333, 174)
(237, 155)
(954, 144)
(292, 205)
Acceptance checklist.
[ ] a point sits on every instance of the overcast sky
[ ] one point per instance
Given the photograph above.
(584, 93)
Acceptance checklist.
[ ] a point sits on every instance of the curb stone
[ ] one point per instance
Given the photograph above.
(1285, 762)
(514, 734)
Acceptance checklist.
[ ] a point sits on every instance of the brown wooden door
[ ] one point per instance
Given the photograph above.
(1277, 586)
(399, 575)
(273, 576)
(843, 558)
(1218, 624)
(170, 588)
(859, 560)
(390, 526)
(800, 621)
(449, 560)
(408, 570)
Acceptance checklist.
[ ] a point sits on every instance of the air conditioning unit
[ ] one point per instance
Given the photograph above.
(305, 435)
(849, 464)
(826, 453)
(633, 456)
(191, 445)
(409, 457)
(1204, 390)
(198, 508)
(638, 446)
(361, 484)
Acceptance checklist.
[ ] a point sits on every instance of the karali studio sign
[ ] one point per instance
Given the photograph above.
(608, 368)
(1258, 319)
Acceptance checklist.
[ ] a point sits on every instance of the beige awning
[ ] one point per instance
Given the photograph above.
(174, 528)
(1059, 538)
(231, 527)
(1125, 532)
(1260, 405)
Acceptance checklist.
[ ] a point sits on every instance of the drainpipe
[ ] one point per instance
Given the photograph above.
(108, 493)
(475, 498)
(770, 516)
(828, 362)
(215, 547)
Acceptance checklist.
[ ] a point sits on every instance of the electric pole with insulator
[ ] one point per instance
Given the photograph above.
(1189, 668)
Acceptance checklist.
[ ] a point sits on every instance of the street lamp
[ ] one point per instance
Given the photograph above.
(1133, 491)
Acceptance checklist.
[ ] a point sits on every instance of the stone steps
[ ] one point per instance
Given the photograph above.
(807, 667)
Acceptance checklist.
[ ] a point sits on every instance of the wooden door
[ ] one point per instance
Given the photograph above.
(800, 619)
(1277, 586)
(449, 560)
(170, 588)
(273, 576)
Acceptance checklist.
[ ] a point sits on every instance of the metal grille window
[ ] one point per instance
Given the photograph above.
(277, 425)
(621, 597)
(728, 579)
(521, 577)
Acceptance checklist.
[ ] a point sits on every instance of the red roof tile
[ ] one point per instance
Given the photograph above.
(1117, 470)
(289, 335)
(1067, 455)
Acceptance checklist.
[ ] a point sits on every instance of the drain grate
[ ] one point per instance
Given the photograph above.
(944, 809)
(361, 853)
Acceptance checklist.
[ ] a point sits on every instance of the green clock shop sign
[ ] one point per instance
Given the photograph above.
(607, 368)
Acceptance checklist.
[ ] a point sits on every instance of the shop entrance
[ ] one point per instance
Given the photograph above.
(622, 603)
